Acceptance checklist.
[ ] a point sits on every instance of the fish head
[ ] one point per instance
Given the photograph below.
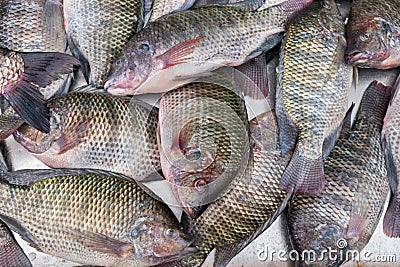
(158, 241)
(371, 45)
(130, 70)
(36, 141)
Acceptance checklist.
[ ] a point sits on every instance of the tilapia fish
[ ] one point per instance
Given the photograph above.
(344, 216)
(253, 199)
(177, 48)
(203, 142)
(21, 75)
(99, 131)
(391, 145)
(373, 34)
(91, 217)
(35, 26)
(11, 254)
(98, 30)
(312, 94)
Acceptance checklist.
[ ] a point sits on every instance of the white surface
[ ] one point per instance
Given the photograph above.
(275, 238)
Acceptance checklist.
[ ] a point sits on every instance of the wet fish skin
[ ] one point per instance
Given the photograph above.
(99, 131)
(312, 93)
(373, 34)
(96, 37)
(11, 254)
(32, 26)
(344, 216)
(21, 75)
(251, 201)
(203, 142)
(91, 217)
(170, 51)
(390, 143)
(35, 26)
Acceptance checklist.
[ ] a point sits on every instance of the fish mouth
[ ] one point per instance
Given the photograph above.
(356, 58)
(120, 87)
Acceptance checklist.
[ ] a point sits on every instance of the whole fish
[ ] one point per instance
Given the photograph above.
(203, 142)
(230, 222)
(373, 34)
(21, 75)
(390, 143)
(312, 95)
(344, 216)
(178, 48)
(35, 26)
(98, 30)
(99, 131)
(11, 254)
(91, 217)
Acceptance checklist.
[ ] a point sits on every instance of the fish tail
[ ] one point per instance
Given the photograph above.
(304, 175)
(375, 100)
(391, 220)
(40, 69)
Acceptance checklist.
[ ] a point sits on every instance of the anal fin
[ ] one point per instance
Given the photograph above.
(391, 220)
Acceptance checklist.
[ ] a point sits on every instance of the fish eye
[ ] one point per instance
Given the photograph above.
(171, 233)
(199, 185)
(144, 47)
(365, 36)
(118, 63)
(134, 233)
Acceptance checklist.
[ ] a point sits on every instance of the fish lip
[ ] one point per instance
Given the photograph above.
(120, 87)
(356, 57)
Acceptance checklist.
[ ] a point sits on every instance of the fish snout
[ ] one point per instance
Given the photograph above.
(355, 57)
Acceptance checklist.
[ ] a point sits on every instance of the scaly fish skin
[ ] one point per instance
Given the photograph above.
(373, 34)
(91, 217)
(170, 51)
(391, 145)
(97, 31)
(11, 254)
(251, 201)
(99, 131)
(344, 216)
(312, 95)
(203, 142)
(35, 26)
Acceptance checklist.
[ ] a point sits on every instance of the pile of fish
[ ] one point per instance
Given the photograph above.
(231, 170)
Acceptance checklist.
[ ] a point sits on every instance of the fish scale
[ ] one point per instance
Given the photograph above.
(251, 201)
(64, 212)
(351, 204)
(169, 51)
(91, 130)
(98, 31)
(210, 120)
(312, 94)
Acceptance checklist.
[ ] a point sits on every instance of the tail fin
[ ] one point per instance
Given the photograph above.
(304, 175)
(391, 220)
(40, 69)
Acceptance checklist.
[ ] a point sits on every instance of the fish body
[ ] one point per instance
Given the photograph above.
(373, 34)
(203, 141)
(163, 7)
(344, 216)
(312, 95)
(251, 201)
(99, 131)
(11, 254)
(35, 26)
(178, 48)
(91, 217)
(390, 143)
(21, 76)
(97, 31)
